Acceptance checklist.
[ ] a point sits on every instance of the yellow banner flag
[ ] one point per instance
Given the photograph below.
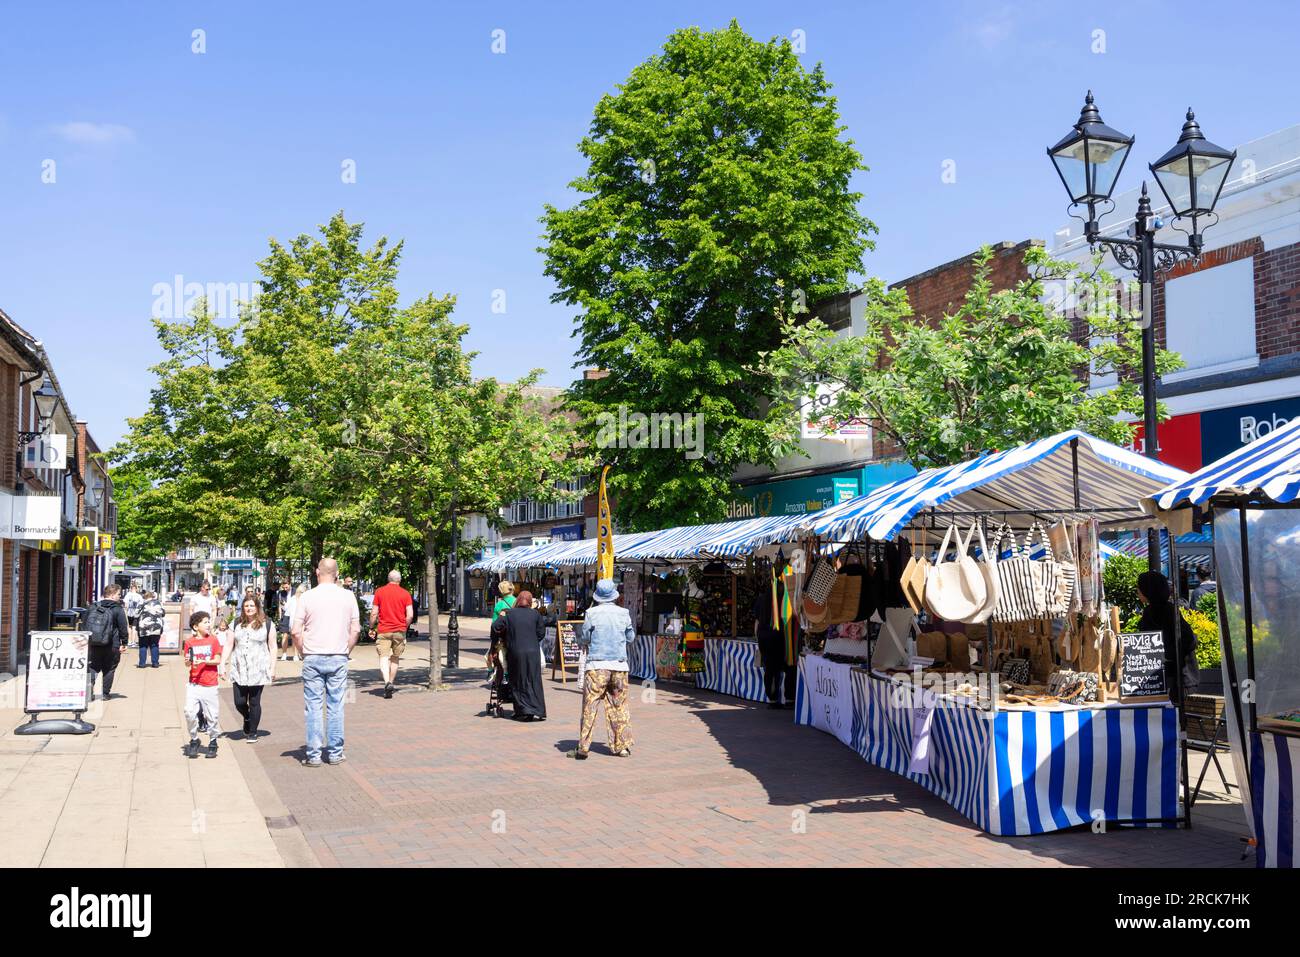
(604, 532)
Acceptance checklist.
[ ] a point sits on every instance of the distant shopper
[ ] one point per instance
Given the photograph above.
(325, 630)
(107, 624)
(605, 634)
(287, 623)
(524, 630)
(206, 660)
(203, 600)
(133, 601)
(252, 663)
(506, 601)
(152, 623)
(1159, 614)
(391, 615)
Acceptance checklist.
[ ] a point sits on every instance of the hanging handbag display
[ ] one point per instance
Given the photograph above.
(988, 567)
(842, 606)
(820, 581)
(1021, 592)
(913, 581)
(954, 590)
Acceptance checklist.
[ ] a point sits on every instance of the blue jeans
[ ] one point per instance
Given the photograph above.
(324, 678)
(148, 645)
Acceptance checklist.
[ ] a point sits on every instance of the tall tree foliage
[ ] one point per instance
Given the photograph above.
(1005, 367)
(717, 182)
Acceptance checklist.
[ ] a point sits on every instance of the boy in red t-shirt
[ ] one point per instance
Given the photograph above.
(206, 659)
(392, 614)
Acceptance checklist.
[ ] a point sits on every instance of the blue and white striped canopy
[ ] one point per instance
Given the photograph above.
(1035, 476)
(684, 543)
(1266, 470)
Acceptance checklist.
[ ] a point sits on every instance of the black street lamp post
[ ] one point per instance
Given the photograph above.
(1191, 175)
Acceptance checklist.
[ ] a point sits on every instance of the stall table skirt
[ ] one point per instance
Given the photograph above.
(732, 666)
(1013, 772)
(1274, 781)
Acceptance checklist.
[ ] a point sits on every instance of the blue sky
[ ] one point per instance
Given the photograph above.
(170, 162)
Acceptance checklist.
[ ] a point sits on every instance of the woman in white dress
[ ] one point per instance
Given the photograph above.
(290, 609)
(251, 659)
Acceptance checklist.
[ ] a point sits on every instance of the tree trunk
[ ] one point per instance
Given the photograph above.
(317, 553)
(272, 573)
(431, 591)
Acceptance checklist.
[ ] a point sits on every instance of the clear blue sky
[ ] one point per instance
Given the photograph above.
(169, 162)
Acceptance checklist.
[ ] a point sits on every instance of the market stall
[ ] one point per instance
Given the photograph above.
(1253, 498)
(999, 681)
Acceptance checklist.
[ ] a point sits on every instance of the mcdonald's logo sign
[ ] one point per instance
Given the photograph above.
(80, 541)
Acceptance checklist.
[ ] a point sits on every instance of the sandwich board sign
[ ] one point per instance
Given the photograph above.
(57, 681)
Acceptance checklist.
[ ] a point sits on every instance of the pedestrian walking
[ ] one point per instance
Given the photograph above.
(325, 630)
(133, 600)
(206, 660)
(107, 624)
(204, 600)
(287, 623)
(152, 623)
(524, 628)
(391, 615)
(252, 663)
(505, 602)
(604, 636)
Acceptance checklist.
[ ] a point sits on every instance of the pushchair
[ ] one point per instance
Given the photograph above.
(498, 681)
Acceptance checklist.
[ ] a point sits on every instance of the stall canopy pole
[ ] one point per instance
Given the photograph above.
(1250, 616)
(1182, 687)
(1074, 470)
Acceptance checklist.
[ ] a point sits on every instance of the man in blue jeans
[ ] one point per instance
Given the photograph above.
(326, 625)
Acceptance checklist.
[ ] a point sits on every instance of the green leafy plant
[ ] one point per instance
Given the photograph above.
(1119, 580)
(1208, 605)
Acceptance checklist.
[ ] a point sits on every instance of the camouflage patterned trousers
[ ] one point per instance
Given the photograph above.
(612, 687)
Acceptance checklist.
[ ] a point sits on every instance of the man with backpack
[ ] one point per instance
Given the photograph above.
(106, 622)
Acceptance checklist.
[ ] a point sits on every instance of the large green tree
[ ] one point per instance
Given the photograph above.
(1004, 367)
(717, 185)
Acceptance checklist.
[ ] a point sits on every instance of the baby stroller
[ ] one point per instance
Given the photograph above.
(498, 683)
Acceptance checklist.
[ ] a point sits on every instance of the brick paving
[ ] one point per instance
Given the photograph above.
(714, 781)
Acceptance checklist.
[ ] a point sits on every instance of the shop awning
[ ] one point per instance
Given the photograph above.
(1265, 471)
(1040, 475)
(716, 541)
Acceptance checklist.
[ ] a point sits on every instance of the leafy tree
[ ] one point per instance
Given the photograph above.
(1002, 369)
(439, 444)
(718, 182)
(1119, 579)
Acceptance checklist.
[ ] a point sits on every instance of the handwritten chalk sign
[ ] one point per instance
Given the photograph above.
(1142, 666)
(566, 650)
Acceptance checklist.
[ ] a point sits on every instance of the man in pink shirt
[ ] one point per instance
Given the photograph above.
(326, 625)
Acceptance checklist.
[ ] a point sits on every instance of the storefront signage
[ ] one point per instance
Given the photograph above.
(801, 496)
(818, 425)
(56, 671)
(80, 541)
(47, 452)
(30, 518)
(829, 696)
(567, 533)
(1191, 440)
(1142, 666)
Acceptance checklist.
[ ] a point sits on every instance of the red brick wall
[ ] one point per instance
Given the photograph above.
(939, 291)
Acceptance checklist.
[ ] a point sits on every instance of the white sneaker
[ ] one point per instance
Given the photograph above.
(282, 657)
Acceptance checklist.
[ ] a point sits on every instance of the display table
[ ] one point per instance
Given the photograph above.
(1011, 772)
(731, 665)
(1274, 781)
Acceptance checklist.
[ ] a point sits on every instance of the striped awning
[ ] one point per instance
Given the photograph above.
(1266, 470)
(1036, 476)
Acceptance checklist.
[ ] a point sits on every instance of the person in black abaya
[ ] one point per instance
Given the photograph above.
(525, 629)
(1158, 615)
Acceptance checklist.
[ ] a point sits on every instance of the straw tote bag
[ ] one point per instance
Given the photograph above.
(846, 593)
(913, 581)
(954, 591)
(988, 566)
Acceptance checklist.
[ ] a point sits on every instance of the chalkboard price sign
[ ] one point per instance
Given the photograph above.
(566, 651)
(1142, 666)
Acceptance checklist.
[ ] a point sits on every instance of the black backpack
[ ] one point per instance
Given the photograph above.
(100, 624)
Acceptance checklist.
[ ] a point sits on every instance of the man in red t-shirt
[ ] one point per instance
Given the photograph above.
(392, 613)
(206, 659)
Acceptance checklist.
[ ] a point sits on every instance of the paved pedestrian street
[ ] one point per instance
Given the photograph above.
(431, 780)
